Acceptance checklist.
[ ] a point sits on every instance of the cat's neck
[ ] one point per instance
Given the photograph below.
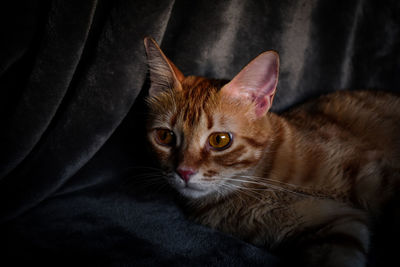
(296, 157)
(293, 157)
(279, 160)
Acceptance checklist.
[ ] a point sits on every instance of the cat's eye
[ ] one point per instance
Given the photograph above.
(165, 137)
(220, 141)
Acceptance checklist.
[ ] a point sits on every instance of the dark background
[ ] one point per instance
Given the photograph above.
(75, 187)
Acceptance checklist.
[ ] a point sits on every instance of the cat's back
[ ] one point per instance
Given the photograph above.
(371, 118)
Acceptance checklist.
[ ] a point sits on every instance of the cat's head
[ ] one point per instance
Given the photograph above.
(209, 134)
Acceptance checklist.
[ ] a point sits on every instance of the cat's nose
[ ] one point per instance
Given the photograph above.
(185, 173)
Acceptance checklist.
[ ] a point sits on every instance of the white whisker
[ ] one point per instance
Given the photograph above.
(268, 186)
(274, 180)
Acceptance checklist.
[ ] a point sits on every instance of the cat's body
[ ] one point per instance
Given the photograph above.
(312, 175)
(331, 167)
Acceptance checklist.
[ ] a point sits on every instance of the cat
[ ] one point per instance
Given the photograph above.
(309, 178)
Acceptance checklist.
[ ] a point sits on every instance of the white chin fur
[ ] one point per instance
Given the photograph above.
(193, 193)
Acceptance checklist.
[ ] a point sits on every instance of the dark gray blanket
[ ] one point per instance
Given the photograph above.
(76, 184)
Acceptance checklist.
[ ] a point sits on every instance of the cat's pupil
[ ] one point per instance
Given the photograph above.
(218, 139)
(164, 135)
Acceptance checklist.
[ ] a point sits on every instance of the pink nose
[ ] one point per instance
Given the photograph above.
(185, 173)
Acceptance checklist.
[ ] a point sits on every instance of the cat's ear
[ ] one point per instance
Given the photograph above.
(164, 75)
(256, 82)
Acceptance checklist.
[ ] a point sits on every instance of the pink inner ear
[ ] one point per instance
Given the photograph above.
(257, 81)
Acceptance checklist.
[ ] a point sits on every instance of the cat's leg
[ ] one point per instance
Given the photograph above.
(341, 243)
(335, 235)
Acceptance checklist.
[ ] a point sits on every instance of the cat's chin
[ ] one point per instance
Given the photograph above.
(194, 193)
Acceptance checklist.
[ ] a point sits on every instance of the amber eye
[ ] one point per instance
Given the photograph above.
(165, 137)
(220, 141)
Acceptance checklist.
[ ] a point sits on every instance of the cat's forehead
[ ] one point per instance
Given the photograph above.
(197, 109)
(198, 98)
(196, 90)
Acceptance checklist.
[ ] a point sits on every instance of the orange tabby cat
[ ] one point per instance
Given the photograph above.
(307, 179)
